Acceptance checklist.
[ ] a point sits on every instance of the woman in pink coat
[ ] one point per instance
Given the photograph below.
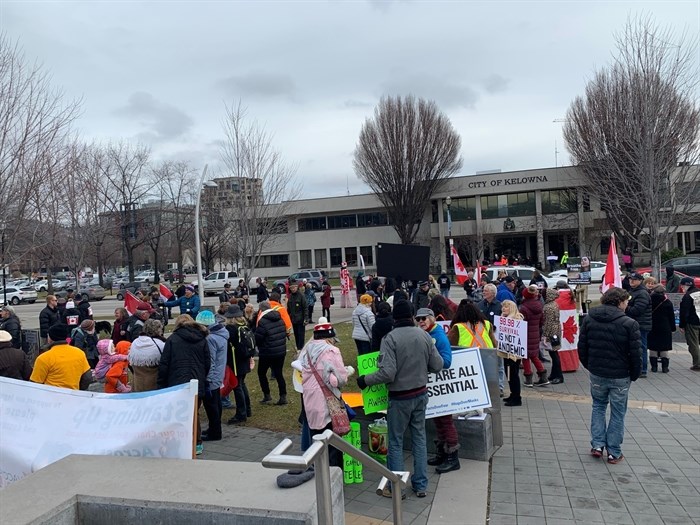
(322, 354)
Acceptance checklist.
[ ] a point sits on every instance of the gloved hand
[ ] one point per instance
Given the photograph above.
(122, 388)
(361, 382)
(350, 370)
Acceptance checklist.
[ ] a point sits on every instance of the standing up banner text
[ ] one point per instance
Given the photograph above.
(511, 335)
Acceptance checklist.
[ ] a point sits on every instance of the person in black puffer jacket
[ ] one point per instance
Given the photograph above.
(639, 309)
(11, 324)
(186, 356)
(663, 324)
(383, 323)
(84, 308)
(271, 339)
(609, 347)
(48, 317)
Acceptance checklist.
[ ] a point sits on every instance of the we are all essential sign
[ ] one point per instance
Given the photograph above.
(454, 390)
(42, 424)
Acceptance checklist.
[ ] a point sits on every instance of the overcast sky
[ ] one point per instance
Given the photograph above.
(312, 72)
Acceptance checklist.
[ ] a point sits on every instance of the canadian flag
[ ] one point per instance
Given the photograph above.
(460, 270)
(612, 268)
(165, 292)
(131, 302)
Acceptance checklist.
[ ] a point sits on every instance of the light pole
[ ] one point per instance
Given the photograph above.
(4, 287)
(198, 245)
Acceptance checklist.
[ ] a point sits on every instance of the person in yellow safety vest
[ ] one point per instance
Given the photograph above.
(470, 328)
(564, 259)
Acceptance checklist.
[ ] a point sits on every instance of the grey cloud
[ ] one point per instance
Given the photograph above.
(495, 83)
(444, 93)
(164, 121)
(265, 85)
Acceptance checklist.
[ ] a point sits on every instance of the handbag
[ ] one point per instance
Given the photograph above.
(332, 300)
(340, 423)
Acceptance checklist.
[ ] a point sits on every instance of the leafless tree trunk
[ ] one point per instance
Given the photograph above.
(404, 154)
(268, 188)
(176, 179)
(636, 136)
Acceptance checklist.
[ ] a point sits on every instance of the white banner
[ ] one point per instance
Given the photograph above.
(460, 388)
(511, 335)
(41, 424)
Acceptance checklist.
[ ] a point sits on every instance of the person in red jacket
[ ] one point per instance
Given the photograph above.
(117, 378)
(531, 308)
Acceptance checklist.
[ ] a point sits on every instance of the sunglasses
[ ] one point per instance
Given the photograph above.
(419, 319)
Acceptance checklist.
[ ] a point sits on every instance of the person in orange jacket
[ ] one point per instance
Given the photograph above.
(117, 378)
(276, 305)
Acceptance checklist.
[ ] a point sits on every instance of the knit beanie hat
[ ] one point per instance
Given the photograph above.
(206, 318)
(403, 310)
(531, 291)
(88, 325)
(59, 332)
(323, 329)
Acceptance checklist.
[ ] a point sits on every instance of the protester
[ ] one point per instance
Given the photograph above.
(360, 286)
(297, 308)
(85, 338)
(117, 377)
(186, 356)
(261, 294)
(144, 356)
(673, 282)
(135, 323)
(82, 304)
(531, 308)
(639, 309)
(444, 283)
(421, 299)
(62, 365)
(689, 320)
(227, 294)
(491, 307)
(108, 356)
(551, 334)
(362, 321)
(609, 347)
(505, 289)
(14, 363)
(383, 324)
(48, 317)
(539, 281)
(310, 295)
(321, 361)
(407, 355)
(239, 359)
(446, 439)
(270, 338)
(326, 295)
(443, 308)
(11, 324)
(663, 324)
(217, 340)
(121, 319)
(510, 310)
(189, 303)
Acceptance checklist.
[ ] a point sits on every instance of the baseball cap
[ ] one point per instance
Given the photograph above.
(687, 281)
(636, 276)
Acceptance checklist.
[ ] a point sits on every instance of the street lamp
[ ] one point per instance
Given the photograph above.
(3, 225)
(198, 247)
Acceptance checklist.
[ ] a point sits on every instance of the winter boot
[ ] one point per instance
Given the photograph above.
(450, 464)
(542, 378)
(440, 456)
(664, 365)
(654, 361)
(528, 380)
(282, 401)
(266, 399)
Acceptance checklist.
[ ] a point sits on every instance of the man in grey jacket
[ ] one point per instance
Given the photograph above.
(406, 356)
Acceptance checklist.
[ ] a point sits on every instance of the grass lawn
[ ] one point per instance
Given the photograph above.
(284, 418)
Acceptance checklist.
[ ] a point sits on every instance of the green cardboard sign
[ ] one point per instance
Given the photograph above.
(376, 397)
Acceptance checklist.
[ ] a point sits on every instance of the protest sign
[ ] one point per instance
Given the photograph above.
(42, 424)
(460, 388)
(376, 397)
(578, 270)
(511, 335)
(445, 325)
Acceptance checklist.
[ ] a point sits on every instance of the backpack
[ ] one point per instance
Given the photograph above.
(247, 341)
(75, 331)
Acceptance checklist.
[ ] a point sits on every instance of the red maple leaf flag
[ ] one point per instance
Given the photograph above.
(131, 302)
(460, 270)
(612, 268)
(569, 330)
(165, 292)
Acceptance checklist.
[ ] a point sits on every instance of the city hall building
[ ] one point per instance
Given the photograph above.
(521, 213)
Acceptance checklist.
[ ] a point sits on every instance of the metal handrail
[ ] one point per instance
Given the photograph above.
(317, 454)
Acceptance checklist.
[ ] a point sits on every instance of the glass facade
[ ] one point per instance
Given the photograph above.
(351, 256)
(366, 252)
(321, 258)
(336, 257)
(305, 259)
(273, 261)
(559, 201)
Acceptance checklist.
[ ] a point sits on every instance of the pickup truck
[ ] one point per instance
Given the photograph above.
(214, 282)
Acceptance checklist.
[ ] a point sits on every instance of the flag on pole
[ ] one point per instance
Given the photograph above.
(612, 268)
(165, 292)
(477, 272)
(460, 270)
(131, 302)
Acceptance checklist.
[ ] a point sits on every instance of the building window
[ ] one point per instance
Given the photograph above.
(351, 256)
(520, 204)
(311, 223)
(336, 257)
(274, 261)
(366, 252)
(321, 258)
(461, 209)
(490, 207)
(559, 201)
(305, 259)
(372, 219)
(338, 222)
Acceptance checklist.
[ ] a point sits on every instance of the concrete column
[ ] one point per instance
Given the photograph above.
(581, 224)
(441, 234)
(540, 229)
(479, 232)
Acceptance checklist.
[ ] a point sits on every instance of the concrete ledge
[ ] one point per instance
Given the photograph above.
(123, 490)
(461, 496)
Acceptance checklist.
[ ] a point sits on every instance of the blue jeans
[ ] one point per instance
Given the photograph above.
(605, 390)
(645, 352)
(445, 292)
(406, 414)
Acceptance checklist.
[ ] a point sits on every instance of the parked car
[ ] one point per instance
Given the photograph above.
(43, 285)
(132, 287)
(173, 275)
(314, 276)
(688, 265)
(214, 282)
(94, 293)
(524, 272)
(18, 295)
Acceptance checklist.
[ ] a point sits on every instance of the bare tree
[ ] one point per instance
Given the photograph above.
(636, 135)
(268, 188)
(175, 181)
(404, 154)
